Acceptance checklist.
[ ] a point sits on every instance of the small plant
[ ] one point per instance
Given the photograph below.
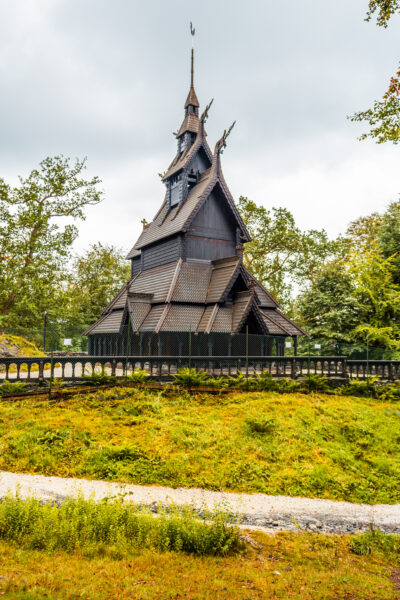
(265, 382)
(137, 376)
(121, 529)
(375, 541)
(190, 377)
(242, 382)
(288, 386)
(316, 383)
(101, 378)
(217, 382)
(12, 389)
(262, 425)
(389, 393)
(57, 383)
(359, 387)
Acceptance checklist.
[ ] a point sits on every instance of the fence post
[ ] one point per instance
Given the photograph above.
(190, 346)
(294, 367)
(51, 360)
(128, 340)
(345, 371)
(247, 357)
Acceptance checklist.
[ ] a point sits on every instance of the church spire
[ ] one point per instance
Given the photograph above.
(191, 100)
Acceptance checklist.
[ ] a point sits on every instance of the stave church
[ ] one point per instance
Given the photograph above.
(189, 285)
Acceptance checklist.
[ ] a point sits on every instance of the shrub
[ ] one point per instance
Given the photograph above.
(375, 541)
(217, 382)
(101, 378)
(316, 383)
(261, 425)
(137, 376)
(12, 389)
(389, 393)
(97, 527)
(288, 386)
(359, 387)
(190, 377)
(241, 381)
(265, 382)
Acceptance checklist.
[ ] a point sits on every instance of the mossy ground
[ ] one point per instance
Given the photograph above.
(287, 566)
(317, 445)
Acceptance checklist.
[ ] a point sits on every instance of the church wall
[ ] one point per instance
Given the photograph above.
(213, 232)
(208, 249)
(135, 266)
(162, 253)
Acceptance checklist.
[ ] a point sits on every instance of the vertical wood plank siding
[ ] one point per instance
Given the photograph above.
(162, 253)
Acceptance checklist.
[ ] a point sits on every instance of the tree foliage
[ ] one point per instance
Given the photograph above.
(280, 255)
(96, 277)
(34, 245)
(384, 117)
(356, 298)
(384, 10)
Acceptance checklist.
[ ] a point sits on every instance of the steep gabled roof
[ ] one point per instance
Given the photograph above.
(278, 324)
(264, 297)
(182, 159)
(191, 100)
(168, 223)
(109, 323)
(222, 276)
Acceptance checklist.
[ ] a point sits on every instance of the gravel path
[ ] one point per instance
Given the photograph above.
(258, 511)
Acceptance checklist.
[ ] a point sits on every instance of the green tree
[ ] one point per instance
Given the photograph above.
(34, 246)
(384, 117)
(355, 300)
(280, 255)
(388, 236)
(329, 308)
(96, 277)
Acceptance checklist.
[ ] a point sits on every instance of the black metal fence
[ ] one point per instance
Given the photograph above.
(71, 368)
(48, 352)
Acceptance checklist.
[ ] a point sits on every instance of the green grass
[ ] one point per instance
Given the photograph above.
(96, 528)
(322, 446)
(286, 566)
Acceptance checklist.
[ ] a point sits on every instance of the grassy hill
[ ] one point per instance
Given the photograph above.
(319, 446)
(15, 345)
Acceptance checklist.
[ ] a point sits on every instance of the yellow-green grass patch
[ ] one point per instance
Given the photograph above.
(321, 446)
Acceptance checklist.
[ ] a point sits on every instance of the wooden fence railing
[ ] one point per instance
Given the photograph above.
(76, 367)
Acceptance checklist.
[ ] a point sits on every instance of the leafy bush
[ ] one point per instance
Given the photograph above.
(190, 377)
(12, 389)
(389, 392)
(265, 382)
(137, 376)
(375, 541)
(288, 386)
(95, 528)
(261, 425)
(316, 383)
(359, 387)
(101, 378)
(242, 382)
(217, 382)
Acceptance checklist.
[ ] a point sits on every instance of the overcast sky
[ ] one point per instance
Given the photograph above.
(107, 79)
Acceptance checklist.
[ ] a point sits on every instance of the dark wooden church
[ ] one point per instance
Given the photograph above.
(189, 285)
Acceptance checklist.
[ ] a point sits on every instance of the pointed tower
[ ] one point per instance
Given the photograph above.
(187, 268)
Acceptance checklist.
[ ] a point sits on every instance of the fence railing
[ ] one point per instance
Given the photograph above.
(71, 368)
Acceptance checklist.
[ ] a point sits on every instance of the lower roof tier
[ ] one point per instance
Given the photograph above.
(199, 296)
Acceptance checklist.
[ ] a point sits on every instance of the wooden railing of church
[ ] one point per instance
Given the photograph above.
(163, 367)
